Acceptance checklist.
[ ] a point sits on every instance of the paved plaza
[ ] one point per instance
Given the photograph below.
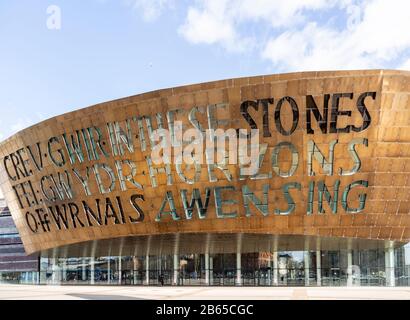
(49, 292)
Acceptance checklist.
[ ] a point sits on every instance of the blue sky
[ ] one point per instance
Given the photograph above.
(108, 49)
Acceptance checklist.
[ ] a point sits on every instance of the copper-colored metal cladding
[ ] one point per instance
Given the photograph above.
(384, 162)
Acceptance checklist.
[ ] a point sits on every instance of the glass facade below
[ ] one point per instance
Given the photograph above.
(281, 268)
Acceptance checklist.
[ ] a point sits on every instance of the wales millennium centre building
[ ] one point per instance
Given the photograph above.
(299, 179)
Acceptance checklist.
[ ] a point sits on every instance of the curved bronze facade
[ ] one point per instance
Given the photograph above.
(335, 163)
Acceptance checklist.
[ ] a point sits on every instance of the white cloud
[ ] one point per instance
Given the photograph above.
(376, 40)
(218, 21)
(299, 34)
(277, 13)
(151, 9)
(306, 34)
(212, 24)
